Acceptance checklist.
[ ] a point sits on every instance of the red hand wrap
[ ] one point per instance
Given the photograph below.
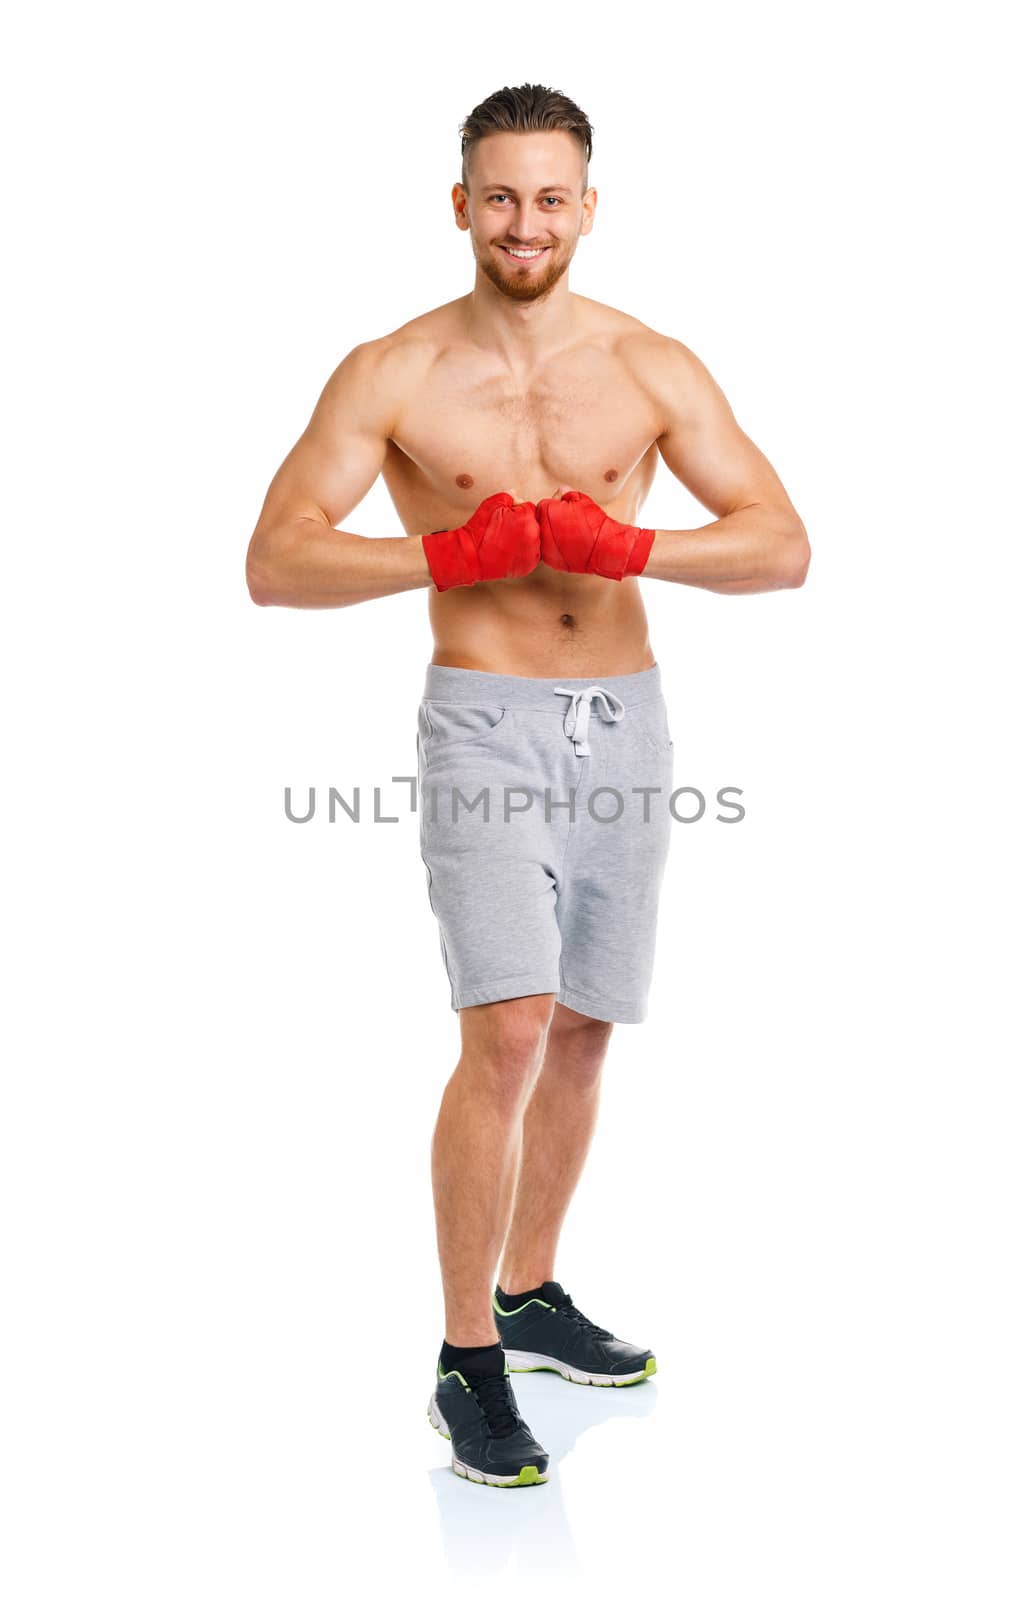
(576, 535)
(499, 540)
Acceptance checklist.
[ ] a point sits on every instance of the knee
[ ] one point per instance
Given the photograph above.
(503, 1043)
(578, 1045)
(576, 1027)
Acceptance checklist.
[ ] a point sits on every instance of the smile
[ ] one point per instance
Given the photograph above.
(524, 255)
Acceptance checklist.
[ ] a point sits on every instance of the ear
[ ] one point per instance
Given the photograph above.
(459, 200)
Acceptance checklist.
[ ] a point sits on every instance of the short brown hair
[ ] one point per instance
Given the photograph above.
(530, 108)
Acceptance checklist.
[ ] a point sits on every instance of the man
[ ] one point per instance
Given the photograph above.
(517, 429)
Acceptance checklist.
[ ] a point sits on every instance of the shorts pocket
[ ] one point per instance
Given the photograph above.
(653, 726)
(451, 725)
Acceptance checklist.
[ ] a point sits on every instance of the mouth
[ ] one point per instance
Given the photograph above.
(524, 257)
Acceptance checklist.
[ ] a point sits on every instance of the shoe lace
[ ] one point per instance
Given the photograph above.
(567, 1308)
(495, 1401)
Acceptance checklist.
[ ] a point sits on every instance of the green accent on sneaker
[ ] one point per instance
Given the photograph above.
(454, 1373)
(535, 1301)
(616, 1383)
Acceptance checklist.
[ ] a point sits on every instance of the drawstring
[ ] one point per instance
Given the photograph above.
(576, 716)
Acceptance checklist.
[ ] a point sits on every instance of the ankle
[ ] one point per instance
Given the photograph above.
(469, 1338)
(518, 1282)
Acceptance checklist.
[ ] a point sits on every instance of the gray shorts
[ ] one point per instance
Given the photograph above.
(543, 855)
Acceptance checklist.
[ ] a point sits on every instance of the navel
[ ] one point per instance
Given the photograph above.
(567, 619)
(464, 480)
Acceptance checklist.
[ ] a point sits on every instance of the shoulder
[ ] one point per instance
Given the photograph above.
(379, 374)
(658, 358)
(673, 376)
(657, 361)
(417, 341)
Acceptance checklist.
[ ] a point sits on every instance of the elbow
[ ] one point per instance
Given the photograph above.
(795, 560)
(259, 575)
(259, 591)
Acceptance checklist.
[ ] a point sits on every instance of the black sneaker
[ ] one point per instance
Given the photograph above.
(548, 1333)
(491, 1442)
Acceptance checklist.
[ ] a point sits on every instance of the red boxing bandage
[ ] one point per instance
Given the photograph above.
(576, 535)
(499, 540)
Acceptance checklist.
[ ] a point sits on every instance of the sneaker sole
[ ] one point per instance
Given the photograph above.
(529, 1361)
(522, 1479)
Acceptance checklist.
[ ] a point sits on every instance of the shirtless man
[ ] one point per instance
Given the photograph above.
(518, 430)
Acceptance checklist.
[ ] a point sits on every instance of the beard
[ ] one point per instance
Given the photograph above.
(522, 284)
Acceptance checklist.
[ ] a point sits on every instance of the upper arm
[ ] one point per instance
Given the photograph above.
(341, 452)
(701, 441)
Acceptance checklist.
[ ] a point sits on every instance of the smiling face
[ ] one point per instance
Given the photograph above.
(526, 193)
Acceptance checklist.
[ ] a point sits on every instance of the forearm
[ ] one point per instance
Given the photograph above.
(751, 550)
(308, 563)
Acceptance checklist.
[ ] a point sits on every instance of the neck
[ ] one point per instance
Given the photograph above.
(523, 327)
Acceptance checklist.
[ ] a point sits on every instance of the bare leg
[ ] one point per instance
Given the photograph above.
(559, 1122)
(475, 1150)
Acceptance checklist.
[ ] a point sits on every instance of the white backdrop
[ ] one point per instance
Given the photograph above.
(229, 1034)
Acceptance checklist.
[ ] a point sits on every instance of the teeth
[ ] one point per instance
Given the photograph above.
(525, 255)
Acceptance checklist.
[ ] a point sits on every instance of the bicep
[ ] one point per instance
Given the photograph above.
(339, 456)
(703, 444)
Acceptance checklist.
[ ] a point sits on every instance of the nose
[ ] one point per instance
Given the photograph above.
(529, 225)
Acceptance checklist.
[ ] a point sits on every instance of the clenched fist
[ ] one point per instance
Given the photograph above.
(576, 535)
(499, 540)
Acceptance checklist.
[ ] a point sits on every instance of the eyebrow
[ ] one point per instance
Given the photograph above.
(550, 188)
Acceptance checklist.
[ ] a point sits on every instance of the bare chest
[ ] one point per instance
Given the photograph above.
(464, 435)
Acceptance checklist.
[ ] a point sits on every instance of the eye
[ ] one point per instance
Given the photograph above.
(557, 199)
